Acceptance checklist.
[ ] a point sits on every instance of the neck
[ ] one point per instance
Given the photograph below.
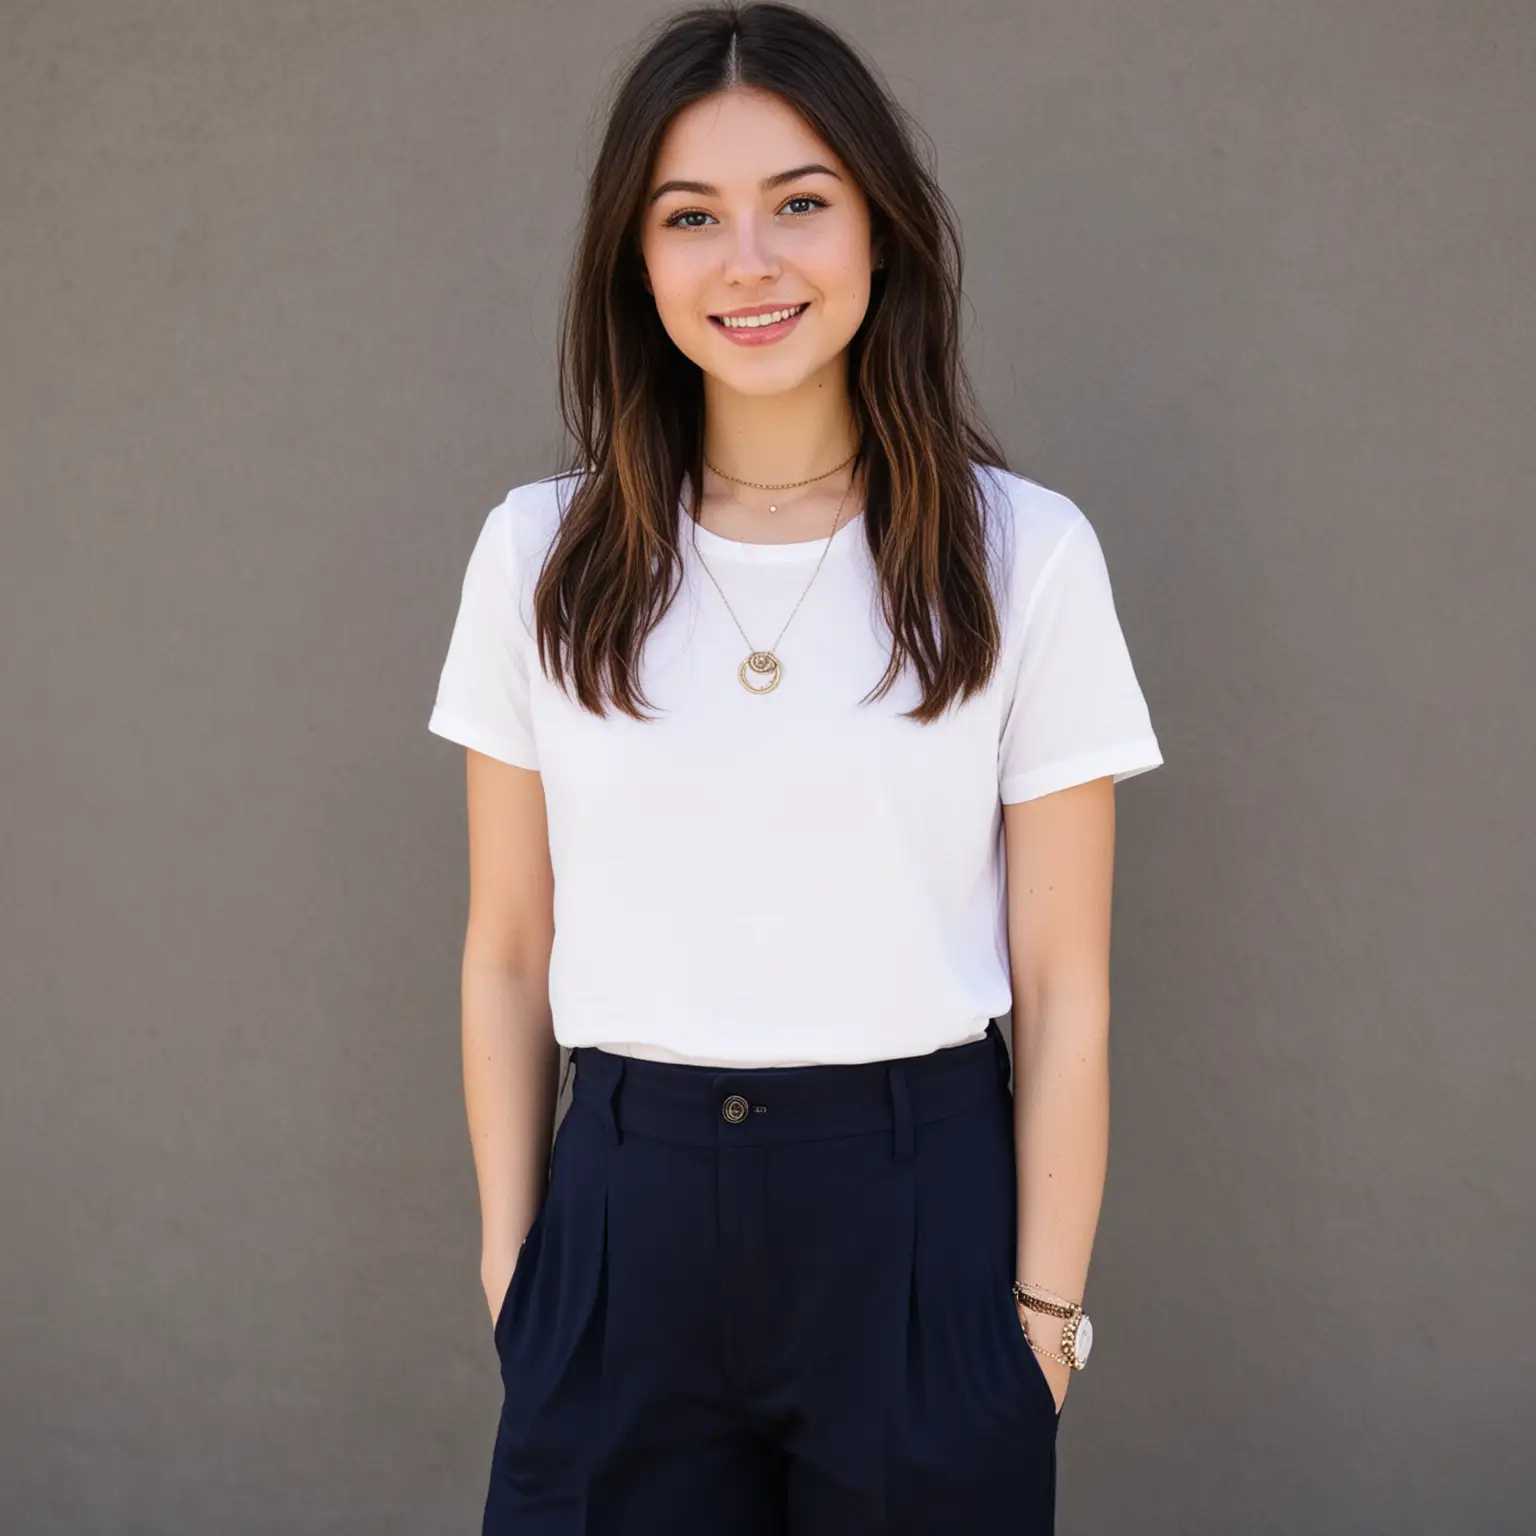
(772, 439)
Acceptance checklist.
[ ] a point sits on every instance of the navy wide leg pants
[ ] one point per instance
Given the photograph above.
(774, 1301)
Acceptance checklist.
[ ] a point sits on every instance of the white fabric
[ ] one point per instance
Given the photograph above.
(794, 878)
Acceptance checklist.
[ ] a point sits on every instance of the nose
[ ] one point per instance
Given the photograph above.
(751, 256)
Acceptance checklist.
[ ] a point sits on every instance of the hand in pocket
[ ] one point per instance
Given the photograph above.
(497, 1282)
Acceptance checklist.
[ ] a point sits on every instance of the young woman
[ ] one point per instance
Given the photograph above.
(793, 720)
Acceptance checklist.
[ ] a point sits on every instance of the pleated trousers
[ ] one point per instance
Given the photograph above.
(774, 1301)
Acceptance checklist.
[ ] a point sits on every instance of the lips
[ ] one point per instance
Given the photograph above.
(796, 311)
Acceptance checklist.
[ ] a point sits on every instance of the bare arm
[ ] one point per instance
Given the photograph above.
(1060, 856)
(511, 1057)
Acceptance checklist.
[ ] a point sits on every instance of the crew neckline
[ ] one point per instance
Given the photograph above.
(716, 546)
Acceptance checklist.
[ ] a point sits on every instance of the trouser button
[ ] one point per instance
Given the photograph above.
(735, 1109)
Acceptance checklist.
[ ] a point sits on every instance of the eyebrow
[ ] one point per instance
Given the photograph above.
(767, 184)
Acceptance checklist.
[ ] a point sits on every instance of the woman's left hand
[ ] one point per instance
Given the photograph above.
(1059, 1376)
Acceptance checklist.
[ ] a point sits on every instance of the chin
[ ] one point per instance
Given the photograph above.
(762, 382)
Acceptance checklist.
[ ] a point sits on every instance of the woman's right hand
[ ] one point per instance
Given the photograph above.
(495, 1277)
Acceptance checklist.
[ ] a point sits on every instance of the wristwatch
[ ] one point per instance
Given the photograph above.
(1076, 1329)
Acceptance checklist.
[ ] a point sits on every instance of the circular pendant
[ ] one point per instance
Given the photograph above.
(763, 664)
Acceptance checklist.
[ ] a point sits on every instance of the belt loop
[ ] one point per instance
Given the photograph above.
(1000, 1047)
(605, 1070)
(610, 1108)
(901, 1139)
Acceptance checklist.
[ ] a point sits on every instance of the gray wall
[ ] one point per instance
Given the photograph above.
(1251, 282)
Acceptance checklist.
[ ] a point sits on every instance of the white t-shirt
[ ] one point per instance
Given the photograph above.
(792, 878)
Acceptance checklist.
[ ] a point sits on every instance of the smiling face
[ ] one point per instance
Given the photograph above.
(740, 221)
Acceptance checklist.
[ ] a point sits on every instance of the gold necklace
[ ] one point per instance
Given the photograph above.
(788, 484)
(765, 663)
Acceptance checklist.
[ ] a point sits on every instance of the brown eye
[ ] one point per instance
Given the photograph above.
(676, 221)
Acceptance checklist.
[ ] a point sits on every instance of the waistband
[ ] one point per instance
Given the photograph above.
(709, 1106)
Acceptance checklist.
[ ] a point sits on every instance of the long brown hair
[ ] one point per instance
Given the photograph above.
(634, 405)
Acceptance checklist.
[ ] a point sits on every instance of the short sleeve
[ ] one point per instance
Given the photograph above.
(1076, 711)
(483, 691)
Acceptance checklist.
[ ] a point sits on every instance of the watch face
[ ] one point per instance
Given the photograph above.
(1083, 1343)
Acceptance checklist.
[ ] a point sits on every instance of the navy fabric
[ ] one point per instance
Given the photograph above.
(774, 1301)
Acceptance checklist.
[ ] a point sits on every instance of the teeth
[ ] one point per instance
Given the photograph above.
(751, 322)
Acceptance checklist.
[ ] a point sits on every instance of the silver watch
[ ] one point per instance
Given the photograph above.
(1076, 1329)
